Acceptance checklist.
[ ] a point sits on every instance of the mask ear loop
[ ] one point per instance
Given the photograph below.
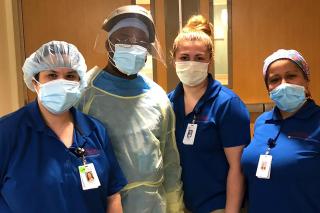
(112, 51)
(37, 83)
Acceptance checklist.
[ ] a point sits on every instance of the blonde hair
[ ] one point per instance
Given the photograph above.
(196, 29)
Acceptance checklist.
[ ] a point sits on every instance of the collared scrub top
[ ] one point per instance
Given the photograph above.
(38, 173)
(294, 184)
(222, 121)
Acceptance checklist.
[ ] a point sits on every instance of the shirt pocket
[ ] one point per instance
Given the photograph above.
(207, 136)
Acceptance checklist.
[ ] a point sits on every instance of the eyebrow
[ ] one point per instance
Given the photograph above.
(293, 70)
(69, 72)
(200, 54)
(72, 71)
(286, 72)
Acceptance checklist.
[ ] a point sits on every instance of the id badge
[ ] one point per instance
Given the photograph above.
(264, 167)
(190, 134)
(89, 177)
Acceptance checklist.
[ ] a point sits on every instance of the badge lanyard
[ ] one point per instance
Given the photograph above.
(88, 175)
(264, 164)
(191, 130)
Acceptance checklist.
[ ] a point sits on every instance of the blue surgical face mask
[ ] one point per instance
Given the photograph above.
(59, 95)
(129, 59)
(288, 97)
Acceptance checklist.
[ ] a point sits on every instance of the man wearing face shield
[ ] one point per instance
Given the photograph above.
(137, 114)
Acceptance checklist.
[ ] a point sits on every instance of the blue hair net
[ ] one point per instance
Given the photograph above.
(54, 54)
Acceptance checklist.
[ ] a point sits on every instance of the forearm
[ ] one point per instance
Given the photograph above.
(114, 204)
(235, 190)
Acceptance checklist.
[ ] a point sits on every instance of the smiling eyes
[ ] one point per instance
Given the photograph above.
(277, 78)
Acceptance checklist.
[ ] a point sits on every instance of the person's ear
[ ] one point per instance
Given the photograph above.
(108, 46)
(210, 63)
(307, 91)
(35, 85)
(174, 63)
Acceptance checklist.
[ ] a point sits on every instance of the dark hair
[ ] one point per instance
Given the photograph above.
(36, 76)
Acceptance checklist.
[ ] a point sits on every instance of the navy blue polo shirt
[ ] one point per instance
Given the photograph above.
(222, 121)
(294, 184)
(38, 173)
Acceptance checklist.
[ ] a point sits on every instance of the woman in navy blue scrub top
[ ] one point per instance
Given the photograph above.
(281, 164)
(212, 125)
(47, 147)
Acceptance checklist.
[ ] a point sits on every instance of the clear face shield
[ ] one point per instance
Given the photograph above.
(132, 38)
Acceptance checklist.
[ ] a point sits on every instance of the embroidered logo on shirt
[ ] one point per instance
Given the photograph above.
(202, 118)
(92, 151)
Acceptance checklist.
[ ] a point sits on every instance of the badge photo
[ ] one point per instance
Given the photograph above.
(190, 134)
(89, 177)
(264, 167)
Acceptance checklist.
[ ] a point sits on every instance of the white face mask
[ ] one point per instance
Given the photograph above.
(191, 73)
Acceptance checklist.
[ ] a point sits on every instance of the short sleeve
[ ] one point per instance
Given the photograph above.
(234, 123)
(117, 179)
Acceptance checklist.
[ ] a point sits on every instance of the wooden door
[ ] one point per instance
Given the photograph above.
(74, 21)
